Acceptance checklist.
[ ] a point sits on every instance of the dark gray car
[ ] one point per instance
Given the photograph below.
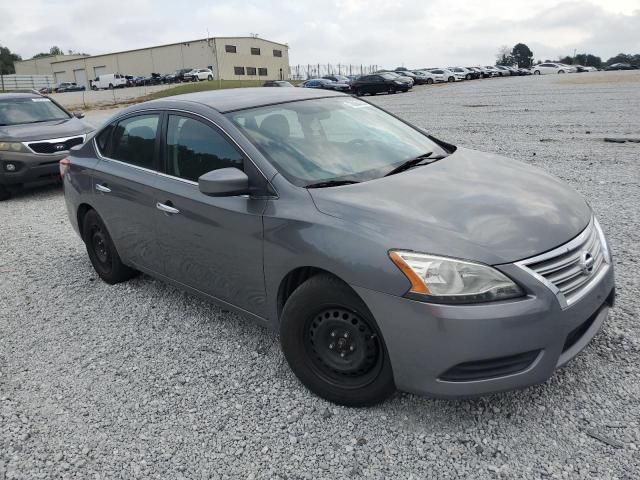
(385, 257)
(35, 133)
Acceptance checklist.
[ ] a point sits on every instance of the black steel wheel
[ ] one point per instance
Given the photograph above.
(333, 344)
(102, 252)
(392, 90)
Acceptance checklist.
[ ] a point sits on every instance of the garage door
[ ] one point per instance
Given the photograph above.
(81, 77)
(99, 71)
(58, 77)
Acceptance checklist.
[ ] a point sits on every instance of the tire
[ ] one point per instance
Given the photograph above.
(468, 76)
(102, 252)
(111, 86)
(429, 81)
(333, 344)
(358, 92)
(451, 79)
(392, 90)
(560, 71)
(536, 72)
(210, 77)
(5, 194)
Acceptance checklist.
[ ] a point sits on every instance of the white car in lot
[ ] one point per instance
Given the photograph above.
(547, 68)
(198, 74)
(108, 80)
(492, 70)
(443, 75)
(461, 72)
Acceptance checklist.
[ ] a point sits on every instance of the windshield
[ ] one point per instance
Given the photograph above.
(16, 111)
(330, 139)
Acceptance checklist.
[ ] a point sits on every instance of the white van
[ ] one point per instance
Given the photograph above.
(109, 80)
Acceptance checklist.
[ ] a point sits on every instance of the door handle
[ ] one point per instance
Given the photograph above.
(103, 188)
(167, 208)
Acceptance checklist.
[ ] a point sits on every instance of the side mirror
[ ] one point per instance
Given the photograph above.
(78, 114)
(224, 182)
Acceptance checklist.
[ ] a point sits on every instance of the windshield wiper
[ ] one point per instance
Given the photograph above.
(331, 183)
(424, 159)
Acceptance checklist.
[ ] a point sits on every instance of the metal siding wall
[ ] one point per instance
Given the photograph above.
(243, 58)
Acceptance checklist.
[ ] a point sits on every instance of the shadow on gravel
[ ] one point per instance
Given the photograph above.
(29, 192)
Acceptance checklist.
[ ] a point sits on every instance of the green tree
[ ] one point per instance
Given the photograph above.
(522, 55)
(503, 57)
(55, 50)
(567, 60)
(7, 58)
(588, 60)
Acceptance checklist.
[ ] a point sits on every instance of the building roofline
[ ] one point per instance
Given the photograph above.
(169, 45)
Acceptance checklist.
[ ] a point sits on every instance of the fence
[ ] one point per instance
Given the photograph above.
(316, 70)
(25, 82)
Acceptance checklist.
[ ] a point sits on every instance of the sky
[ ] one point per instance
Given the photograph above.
(412, 33)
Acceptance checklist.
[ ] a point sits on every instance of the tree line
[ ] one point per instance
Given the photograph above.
(522, 56)
(8, 58)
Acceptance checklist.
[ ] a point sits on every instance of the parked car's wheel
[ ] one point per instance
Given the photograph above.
(392, 90)
(210, 77)
(333, 345)
(358, 92)
(468, 76)
(429, 81)
(536, 72)
(560, 71)
(451, 79)
(102, 252)
(5, 194)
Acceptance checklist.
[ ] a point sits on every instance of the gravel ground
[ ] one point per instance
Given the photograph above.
(141, 380)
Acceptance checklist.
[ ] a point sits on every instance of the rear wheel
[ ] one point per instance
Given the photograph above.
(358, 92)
(111, 86)
(429, 81)
(451, 79)
(210, 77)
(392, 90)
(5, 194)
(333, 344)
(468, 76)
(536, 72)
(102, 252)
(560, 71)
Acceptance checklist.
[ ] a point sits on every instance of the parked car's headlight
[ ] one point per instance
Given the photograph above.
(12, 147)
(447, 280)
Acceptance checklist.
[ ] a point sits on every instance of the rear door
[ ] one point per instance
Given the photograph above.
(123, 186)
(211, 244)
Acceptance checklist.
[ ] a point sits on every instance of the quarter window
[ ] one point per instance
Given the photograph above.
(133, 140)
(255, 51)
(277, 53)
(102, 140)
(238, 70)
(262, 72)
(230, 48)
(251, 70)
(194, 149)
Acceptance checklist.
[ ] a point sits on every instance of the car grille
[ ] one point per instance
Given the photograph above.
(55, 146)
(571, 268)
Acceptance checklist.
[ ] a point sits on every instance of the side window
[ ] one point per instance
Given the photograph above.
(133, 140)
(194, 149)
(102, 141)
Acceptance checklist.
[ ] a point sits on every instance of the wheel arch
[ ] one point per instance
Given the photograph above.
(81, 213)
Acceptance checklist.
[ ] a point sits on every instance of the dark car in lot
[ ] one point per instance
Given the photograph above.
(35, 133)
(621, 66)
(69, 87)
(326, 84)
(276, 83)
(379, 83)
(385, 257)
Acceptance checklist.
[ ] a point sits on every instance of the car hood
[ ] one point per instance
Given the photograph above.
(470, 205)
(43, 131)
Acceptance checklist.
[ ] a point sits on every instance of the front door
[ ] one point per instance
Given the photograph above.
(211, 244)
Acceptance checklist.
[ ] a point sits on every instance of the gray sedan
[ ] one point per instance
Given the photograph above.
(386, 258)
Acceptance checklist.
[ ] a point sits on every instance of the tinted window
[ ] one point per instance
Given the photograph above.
(255, 51)
(14, 111)
(251, 70)
(262, 72)
(230, 48)
(102, 140)
(238, 70)
(194, 149)
(133, 140)
(277, 53)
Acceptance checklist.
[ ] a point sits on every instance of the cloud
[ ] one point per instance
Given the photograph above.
(410, 32)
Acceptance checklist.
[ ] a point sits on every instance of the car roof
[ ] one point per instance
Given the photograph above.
(10, 96)
(231, 99)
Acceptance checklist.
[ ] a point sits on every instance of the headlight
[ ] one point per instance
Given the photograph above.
(12, 146)
(446, 280)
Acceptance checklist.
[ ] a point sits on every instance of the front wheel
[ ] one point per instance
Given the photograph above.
(210, 77)
(536, 72)
(451, 79)
(358, 92)
(560, 71)
(392, 90)
(102, 252)
(429, 81)
(333, 345)
(468, 76)
(111, 86)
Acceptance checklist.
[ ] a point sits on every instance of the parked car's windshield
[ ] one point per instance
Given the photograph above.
(16, 111)
(328, 139)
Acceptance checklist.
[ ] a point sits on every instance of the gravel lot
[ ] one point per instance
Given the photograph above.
(141, 380)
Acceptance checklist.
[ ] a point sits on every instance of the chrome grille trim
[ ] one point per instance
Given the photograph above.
(562, 270)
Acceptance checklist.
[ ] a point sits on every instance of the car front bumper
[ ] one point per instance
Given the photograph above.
(30, 168)
(468, 350)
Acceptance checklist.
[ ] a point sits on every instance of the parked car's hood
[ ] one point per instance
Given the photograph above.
(469, 205)
(43, 131)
